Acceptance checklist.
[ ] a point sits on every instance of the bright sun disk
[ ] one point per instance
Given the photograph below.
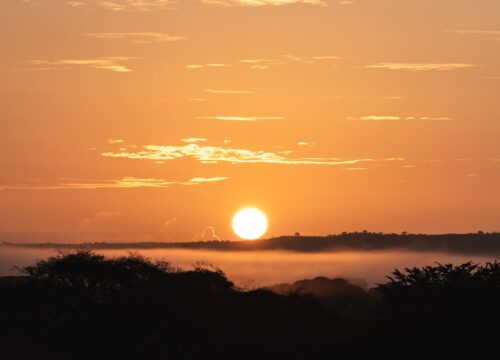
(250, 223)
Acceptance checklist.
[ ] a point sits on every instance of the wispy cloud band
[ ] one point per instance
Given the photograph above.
(397, 118)
(122, 183)
(105, 63)
(241, 118)
(420, 67)
(215, 154)
(256, 3)
(138, 37)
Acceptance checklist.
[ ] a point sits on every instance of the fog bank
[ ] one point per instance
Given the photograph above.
(262, 268)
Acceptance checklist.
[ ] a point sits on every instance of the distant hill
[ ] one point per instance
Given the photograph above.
(470, 244)
(319, 287)
(340, 296)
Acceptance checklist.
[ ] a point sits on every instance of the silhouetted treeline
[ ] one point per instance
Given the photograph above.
(84, 306)
(479, 243)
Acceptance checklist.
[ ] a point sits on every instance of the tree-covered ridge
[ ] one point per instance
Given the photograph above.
(479, 243)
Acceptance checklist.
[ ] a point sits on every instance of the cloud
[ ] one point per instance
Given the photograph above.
(194, 66)
(199, 180)
(259, 64)
(237, 92)
(115, 141)
(427, 118)
(166, 225)
(375, 118)
(202, 66)
(123, 183)
(327, 57)
(194, 140)
(151, 5)
(260, 67)
(255, 61)
(397, 118)
(420, 67)
(241, 118)
(215, 154)
(123, 5)
(475, 32)
(100, 221)
(256, 3)
(168, 222)
(265, 64)
(357, 97)
(106, 63)
(310, 60)
(207, 234)
(138, 37)
(299, 59)
(71, 3)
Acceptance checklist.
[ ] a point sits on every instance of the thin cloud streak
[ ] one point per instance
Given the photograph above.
(203, 66)
(260, 64)
(235, 92)
(123, 183)
(215, 154)
(420, 67)
(257, 3)
(266, 64)
(138, 37)
(194, 140)
(151, 5)
(397, 118)
(475, 32)
(105, 63)
(124, 5)
(310, 60)
(241, 118)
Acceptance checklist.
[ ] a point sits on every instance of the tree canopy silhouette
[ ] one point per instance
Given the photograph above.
(82, 305)
(450, 306)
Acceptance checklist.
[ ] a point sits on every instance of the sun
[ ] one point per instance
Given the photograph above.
(250, 223)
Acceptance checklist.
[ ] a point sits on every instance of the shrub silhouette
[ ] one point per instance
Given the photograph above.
(81, 305)
(449, 307)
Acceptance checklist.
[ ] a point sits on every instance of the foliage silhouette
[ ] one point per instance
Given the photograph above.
(81, 305)
(451, 307)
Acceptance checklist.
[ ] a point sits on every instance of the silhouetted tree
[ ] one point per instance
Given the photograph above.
(81, 305)
(448, 307)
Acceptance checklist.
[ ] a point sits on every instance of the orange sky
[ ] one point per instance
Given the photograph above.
(133, 120)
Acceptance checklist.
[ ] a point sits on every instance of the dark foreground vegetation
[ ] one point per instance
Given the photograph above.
(83, 306)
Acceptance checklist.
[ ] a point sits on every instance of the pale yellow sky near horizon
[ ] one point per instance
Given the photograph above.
(136, 120)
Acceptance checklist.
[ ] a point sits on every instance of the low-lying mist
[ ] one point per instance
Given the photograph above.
(263, 268)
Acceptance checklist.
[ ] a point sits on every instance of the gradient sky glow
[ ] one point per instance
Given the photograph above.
(137, 120)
